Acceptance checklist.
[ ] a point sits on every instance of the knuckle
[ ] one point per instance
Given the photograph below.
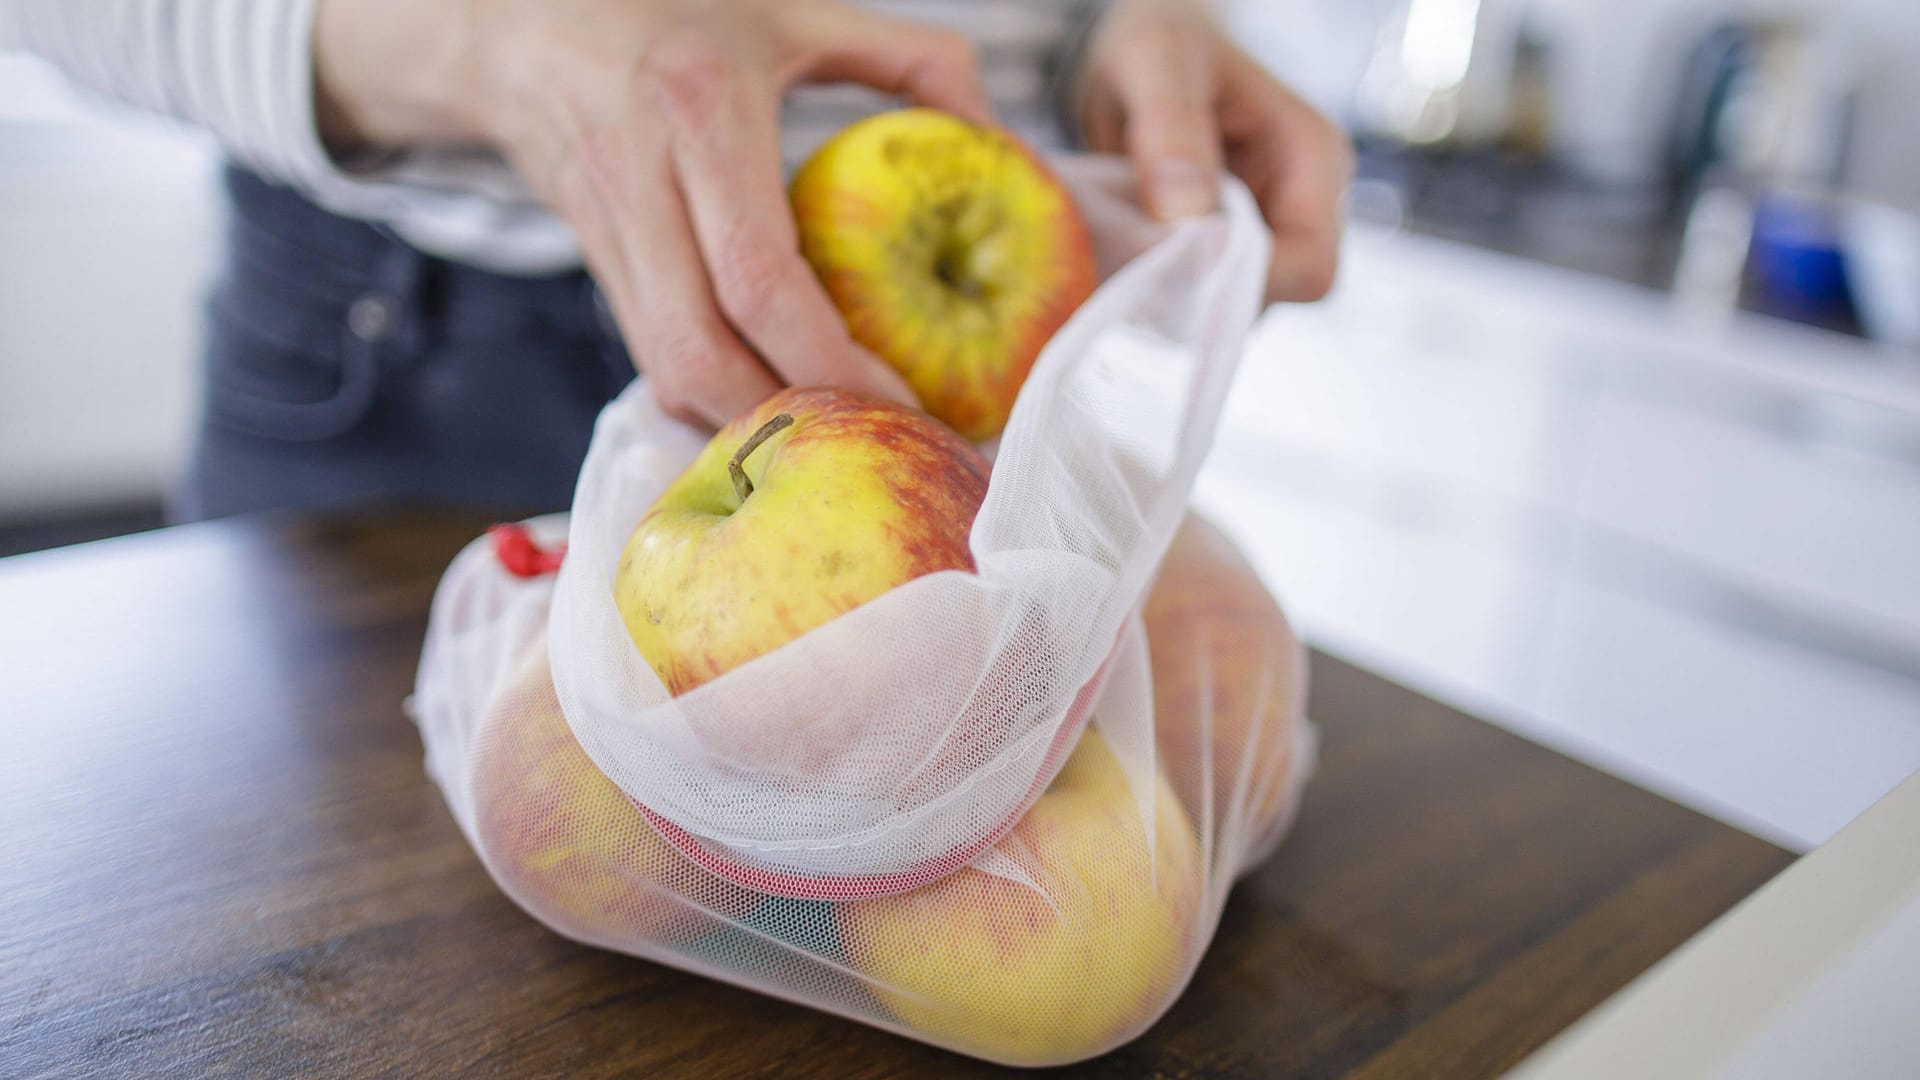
(690, 71)
(1165, 92)
(1170, 128)
(1154, 32)
(1125, 36)
(697, 368)
(953, 49)
(747, 281)
(1334, 143)
(1171, 119)
(672, 394)
(679, 409)
(675, 368)
(1316, 279)
(692, 352)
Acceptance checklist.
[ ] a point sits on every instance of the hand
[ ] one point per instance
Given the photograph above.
(652, 127)
(1164, 85)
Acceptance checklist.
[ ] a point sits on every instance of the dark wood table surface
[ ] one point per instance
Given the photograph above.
(219, 854)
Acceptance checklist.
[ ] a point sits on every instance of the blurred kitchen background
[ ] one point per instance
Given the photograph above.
(1610, 432)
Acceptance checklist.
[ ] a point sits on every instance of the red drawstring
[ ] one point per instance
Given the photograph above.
(520, 555)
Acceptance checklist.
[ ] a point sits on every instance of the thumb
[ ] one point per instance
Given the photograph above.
(1172, 135)
(936, 68)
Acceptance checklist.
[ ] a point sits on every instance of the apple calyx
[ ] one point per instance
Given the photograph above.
(768, 430)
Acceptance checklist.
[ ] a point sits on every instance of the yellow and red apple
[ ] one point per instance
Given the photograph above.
(1079, 957)
(950, 249)
(1228, 683)
(798, 511)
(567, 844)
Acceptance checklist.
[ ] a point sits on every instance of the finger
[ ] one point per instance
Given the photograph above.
(633, 231)
(1304, 222)
(727, 162)
(936, 68)
(1102, 123)
(1298, 165)
(1163, 83)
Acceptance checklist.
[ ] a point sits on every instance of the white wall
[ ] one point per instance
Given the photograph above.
(108, 228)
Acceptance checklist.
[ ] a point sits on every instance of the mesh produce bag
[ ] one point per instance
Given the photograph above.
(997, 811)
(1066, 938)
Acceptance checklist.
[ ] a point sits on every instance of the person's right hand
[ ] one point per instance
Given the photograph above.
(652, 128)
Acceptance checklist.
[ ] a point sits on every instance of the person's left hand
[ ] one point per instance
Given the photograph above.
(1165, 86)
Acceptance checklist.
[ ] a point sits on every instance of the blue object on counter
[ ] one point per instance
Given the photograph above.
(1796, 261)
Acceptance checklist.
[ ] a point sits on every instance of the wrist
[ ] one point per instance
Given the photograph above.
(388, 76)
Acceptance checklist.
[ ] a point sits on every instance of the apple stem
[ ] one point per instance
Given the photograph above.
(768, 430)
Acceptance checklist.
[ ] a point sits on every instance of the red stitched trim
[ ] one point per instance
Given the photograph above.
(520, 556)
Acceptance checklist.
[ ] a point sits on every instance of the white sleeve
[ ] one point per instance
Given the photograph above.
(243, 70)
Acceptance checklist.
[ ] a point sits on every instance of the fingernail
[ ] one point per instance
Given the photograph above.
(1181, 189)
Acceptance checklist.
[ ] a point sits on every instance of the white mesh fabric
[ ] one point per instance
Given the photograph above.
(482, 623)
(1068, 937)
(879, 751)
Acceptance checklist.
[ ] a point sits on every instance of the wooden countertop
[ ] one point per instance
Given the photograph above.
(219, 853)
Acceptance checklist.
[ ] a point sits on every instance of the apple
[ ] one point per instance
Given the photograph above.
(993, 967)
(567, 844)
(950, 249)
(1222, 651)
(800, 510)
